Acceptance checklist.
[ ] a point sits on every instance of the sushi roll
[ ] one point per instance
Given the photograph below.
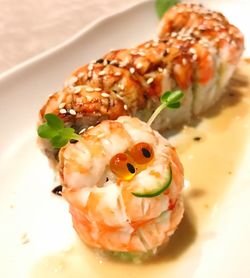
(123, 183)
(197, 52)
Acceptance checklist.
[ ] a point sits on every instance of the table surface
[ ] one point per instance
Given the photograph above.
(29, 27)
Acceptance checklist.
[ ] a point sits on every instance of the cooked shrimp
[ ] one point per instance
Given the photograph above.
(105, 209)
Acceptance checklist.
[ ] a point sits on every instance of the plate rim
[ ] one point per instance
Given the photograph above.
(71, 40)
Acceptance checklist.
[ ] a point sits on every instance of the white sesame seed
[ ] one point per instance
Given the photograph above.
(194, 57)
(77, 90)
(72, 112)
(132, 70)
(61, 105)
(160, 69)
(173, 34)
(147, 45)
(123, 64)
(89, 89)
(90, 127)
(133, 52)
(113, 62)
(90, 74)
(192, 50)
(139, 65)
(184, 61)
(105, 62)
(118, 96)
(88, 97)
(150, 80)
(141, 53)
(80, 74)
(118, 73)
(125, 107)
(101, 73)
(97, 89)
(90, 66)
(121, 86)
(104, 95)
(82, 130)
(62, 111)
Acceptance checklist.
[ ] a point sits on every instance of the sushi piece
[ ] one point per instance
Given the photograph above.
(123, 183)
(79, 107)
(215, 43)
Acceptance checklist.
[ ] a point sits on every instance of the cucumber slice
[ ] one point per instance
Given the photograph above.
(156, 189)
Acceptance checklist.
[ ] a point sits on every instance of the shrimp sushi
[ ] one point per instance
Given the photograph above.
(123, 183)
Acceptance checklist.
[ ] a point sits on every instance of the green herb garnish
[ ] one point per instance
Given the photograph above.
(163, 5)
(55, 131)
(168, 100)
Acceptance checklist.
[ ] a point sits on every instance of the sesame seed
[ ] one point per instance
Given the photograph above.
(80, 75)
(132, 70)
(77, 90)
(90, 127)
(192, 50)
(89, 89)
(118, 73)
(120, 97)
(125, 107)
(147, 45)
(97, 89)
(105, 62)
(113, 62)
(194, 57)
(61, 105)
(101, 73)
(139, 65)
(90, 67)
(62, 111)
(134, 52)
(121, 86)
(150, 80)
(141, 53)
(88, 97)
(72, 112)
(123, 64)
(82, 130)
(104, 95)
(174, 34)
(184, 61)
(90, 74)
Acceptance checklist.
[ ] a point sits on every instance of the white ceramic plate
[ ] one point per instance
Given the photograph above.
(35, 224)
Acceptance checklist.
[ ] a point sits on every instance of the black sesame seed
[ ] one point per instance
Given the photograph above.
(107, 179)
(165, 53)
(73, 141)
(131, 168)
(57, 190)
(99, 61)
(197, 138)
(146, 152)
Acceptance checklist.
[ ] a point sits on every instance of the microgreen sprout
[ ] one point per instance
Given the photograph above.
(55, 131)
(169, 100)
(163, 5)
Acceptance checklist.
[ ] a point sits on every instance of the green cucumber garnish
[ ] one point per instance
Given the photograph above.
(155, 190)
